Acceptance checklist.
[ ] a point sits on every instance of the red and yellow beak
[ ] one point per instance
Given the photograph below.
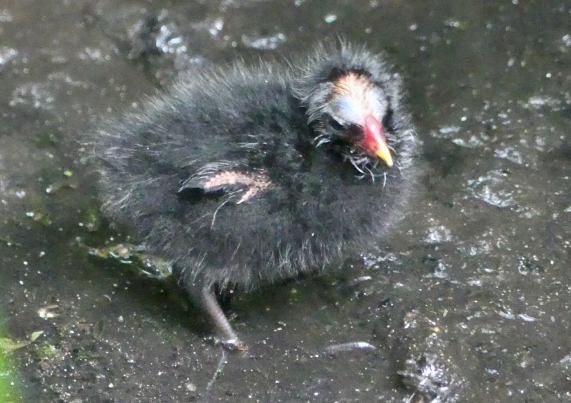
(374, 142)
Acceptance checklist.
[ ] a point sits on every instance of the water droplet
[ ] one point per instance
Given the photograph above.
(330, 18)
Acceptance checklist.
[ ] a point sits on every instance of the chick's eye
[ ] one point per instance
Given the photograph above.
(335, 124)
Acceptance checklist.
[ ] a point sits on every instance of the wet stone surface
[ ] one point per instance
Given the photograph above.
(469, 298)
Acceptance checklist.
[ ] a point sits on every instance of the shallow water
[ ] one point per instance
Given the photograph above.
(468, 300)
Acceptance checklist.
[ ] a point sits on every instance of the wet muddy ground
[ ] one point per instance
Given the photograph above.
(468, 300)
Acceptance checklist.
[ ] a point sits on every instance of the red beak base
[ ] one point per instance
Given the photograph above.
(374, 142)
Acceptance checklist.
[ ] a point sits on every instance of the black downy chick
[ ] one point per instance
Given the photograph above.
(245, 176)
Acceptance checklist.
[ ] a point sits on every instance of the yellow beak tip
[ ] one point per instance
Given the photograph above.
(385, 155)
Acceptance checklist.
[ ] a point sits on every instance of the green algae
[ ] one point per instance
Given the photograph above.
(8, 378)
(8, 389)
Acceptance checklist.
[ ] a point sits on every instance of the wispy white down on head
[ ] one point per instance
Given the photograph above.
(356, 98)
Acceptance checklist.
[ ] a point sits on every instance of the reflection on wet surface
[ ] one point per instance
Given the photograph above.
(469, 298)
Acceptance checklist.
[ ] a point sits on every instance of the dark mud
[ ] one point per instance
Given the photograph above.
(468, 300)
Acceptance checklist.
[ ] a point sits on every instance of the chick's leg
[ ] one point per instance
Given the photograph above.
(206, 298)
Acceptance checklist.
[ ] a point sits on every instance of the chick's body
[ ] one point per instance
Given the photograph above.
(222, 174)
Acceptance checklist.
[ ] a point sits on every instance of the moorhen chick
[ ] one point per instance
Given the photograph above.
(244, 176)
